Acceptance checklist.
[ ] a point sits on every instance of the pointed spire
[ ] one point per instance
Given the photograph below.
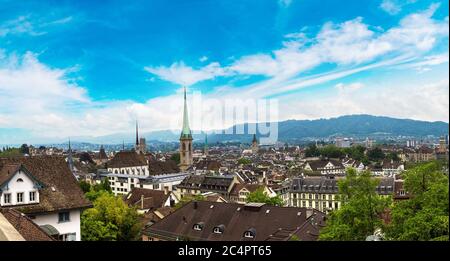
(254, 139)
(186, 131)
(70, 159)
(123, 144)
(206, 144)
(137, 134)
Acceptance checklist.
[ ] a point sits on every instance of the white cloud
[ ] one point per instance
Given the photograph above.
(394, 7)
(349, 87)
(390, 7)
(203, 59)
(422, 102)
(285, 3)
(181, 74)
(26, 24)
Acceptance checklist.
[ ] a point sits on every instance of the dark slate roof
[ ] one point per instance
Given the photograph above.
(208, 164)
(157, 167)
(207, 183)
(153, 199)
(29, 230)
(326, 185)
(265, 221)
(124, 159)
(319, 185)
(60, 188)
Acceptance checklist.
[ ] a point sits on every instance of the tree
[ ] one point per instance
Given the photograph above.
(24, 149)
(331, 151)
(10, 152)
(375, 154)
(361, 209)
(176, 157)
(84, 156)
(86, 187)
(425, 215)
(244, 161)
(110, 219)
(97, 190)
(186, 199)
(312, 151)
(259, 196)
(393, 156)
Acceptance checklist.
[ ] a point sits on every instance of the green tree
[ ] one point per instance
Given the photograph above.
(425, 216)
(188, 198)
(97, 190)
(375, 154)
(24, 149)
(244, 161)
(176, 157)
(393, 156)
(331, 151)
(312, 151)
(110, 219)
(361, 208)
(86, 187)
(10, 152)
(259, 196)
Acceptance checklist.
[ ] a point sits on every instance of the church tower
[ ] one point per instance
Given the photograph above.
(141, 146)
(186, 150)
(205, 151)
(254, 144)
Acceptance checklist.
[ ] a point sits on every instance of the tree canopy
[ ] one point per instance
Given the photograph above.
(361, 209)
(425, 216)
(259, 196)
(110, 219)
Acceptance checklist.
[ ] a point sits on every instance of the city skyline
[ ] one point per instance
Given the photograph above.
(81, 68)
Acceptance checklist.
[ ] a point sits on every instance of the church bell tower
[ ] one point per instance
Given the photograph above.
(186, 150)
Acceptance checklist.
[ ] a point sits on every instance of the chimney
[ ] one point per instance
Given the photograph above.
(142, 201)
(195, 204)
(166, 190)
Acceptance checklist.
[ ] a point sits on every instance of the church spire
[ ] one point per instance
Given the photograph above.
(137, 134)
(206, 144)
(186, 131)
(70, 159)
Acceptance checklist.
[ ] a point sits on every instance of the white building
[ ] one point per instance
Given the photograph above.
(44, 189)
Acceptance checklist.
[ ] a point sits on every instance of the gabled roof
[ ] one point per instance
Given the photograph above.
(124, 159)
(9, 170)
(153, 199)
(60, 189)
(235, 219)
(29, 230)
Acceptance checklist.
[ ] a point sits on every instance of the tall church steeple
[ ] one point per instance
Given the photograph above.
(186, 150)
(137, 134)
(206, 145)
(70, 159)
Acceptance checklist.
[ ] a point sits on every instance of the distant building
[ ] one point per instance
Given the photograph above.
(146, 200)
(214, 221)
(128, 162)
(198, 184)
(325, 167)
(141, 146)
(343, 142)
(239, 192)
(254, 145)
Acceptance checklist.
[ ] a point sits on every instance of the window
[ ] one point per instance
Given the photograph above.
(32, 196)
(198, 226)
(63, 217)
(249, 234)
(68, 237)
(219, 229)
(20, 197)
(7, 198)
(19, 180)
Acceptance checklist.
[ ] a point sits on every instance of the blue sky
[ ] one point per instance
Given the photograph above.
(89, 68)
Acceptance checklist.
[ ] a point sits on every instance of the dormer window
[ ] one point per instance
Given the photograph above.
(19, 180)
(250, 233)
(219, 229)
(198, 226)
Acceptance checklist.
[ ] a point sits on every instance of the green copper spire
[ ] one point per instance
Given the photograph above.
(186, 131)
